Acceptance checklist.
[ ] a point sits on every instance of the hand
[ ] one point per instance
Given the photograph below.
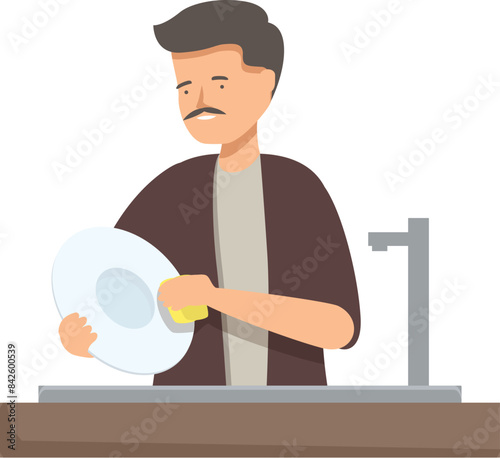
(180, 292)
(75, 336)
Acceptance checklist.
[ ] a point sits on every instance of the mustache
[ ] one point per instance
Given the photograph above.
(199, 111)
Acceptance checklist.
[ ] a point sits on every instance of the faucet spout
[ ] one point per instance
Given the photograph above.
(417, 241)
(380, 241)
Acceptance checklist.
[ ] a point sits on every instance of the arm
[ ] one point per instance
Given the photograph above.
(316, 323)
(319, 308)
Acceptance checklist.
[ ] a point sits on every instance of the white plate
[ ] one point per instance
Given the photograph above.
(111, 277)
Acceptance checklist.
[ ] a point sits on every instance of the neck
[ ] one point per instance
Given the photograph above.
(241, 153)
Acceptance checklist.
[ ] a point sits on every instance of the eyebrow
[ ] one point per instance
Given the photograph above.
(183, 84)
(219, 78)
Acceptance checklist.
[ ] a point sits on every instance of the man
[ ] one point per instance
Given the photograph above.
(256, 237)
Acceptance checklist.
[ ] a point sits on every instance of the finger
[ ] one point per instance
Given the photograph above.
(163, 289)
(85, 331)
(69, 322)
(168, 304)
(165, 296)
(163, 284)
(175, 308)
(87, 328)
(93, 337)
(165, 281)
(81, 321)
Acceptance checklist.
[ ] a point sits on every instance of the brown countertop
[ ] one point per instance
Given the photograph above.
(243, 429)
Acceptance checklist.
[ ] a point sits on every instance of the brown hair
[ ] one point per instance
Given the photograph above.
(216, 23)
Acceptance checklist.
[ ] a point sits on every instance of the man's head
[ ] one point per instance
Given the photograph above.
(228, 60)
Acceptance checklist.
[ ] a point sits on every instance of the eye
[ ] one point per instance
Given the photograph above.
(186, 92)
(222, 86)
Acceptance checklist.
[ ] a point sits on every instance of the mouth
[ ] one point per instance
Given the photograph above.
(205, 117)
(204, 113)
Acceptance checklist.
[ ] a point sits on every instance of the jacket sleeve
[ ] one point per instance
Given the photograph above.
(308, 245)
(142, 215)
(339, 279)
(337, 275)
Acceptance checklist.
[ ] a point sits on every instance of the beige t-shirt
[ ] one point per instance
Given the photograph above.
(241, 256)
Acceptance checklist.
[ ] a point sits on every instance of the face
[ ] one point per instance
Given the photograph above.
(220, 97)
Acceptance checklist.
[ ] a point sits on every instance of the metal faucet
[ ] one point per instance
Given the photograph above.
(417, 241)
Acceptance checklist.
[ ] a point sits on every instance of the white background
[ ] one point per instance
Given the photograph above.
(351, 120)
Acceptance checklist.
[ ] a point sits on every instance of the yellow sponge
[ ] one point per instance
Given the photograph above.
(188, 314)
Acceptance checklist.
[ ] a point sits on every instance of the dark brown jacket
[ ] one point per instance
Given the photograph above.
(174, 213)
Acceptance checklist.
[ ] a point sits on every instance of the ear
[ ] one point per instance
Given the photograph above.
(269, 79)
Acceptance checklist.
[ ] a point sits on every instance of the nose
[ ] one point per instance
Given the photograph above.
(201, 101)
